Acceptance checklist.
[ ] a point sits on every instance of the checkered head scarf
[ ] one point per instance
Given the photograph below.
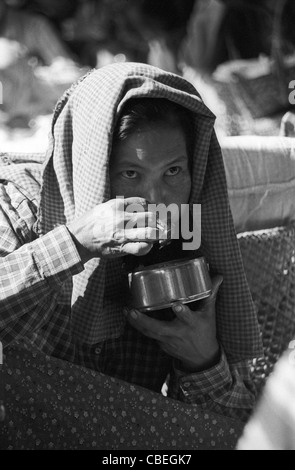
(76, 178)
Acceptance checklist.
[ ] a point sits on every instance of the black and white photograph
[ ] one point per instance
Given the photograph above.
(147, 227)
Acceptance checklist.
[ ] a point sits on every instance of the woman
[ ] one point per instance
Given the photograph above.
(136, 131)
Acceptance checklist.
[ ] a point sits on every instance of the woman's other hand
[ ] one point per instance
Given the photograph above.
(190, 337)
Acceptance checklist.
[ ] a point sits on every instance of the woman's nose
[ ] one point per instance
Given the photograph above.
(153, 193)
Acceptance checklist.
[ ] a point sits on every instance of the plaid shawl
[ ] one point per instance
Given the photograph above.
(76, 178)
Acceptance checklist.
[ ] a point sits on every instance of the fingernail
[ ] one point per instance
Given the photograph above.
(134, 314)
(178, 308)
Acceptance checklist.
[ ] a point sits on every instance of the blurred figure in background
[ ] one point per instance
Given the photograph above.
(200, 43)
(164, 27)
(235, 54)
(223, 30)
(35, 35)
(55, 11)
(35, 65)
(106, 31)
(42, 41)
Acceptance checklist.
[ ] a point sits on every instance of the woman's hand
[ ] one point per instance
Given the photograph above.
(190, 337)
(107, 230)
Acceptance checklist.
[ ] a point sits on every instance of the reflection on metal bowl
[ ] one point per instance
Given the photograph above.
(160, 285)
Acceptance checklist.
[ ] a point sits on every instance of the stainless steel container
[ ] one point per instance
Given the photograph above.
(160, 285)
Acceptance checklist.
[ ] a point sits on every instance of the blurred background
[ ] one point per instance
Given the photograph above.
(240, 55)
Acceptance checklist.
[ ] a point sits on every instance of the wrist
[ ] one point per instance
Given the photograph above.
(84, 254)
(204, 364)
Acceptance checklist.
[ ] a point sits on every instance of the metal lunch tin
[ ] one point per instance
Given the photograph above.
(160, 285)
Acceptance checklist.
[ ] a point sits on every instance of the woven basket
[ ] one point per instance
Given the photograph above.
(269, 261)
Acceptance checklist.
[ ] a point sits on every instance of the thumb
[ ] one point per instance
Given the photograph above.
(181, 311)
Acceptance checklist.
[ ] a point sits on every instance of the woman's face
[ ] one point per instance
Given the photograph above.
(152, 164)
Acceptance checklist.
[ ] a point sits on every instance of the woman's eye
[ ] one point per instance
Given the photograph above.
(174, 170)
(130, 174)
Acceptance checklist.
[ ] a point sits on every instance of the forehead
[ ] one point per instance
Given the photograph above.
(156, 145)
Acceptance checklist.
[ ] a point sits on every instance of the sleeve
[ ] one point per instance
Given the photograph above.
(31, 278)
(224, 388)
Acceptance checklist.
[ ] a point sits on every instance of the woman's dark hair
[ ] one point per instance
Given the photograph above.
(140, 113)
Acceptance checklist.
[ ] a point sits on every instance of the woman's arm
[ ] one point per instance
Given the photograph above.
(32, 272)
(225, 388)
(31, 279)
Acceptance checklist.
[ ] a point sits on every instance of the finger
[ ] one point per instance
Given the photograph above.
(146, 234)
(138, 213)
(147, 219)
(182, 312)
(139, 220)
(131, 204)
(130, 201)
(150, 327)
(136, 248)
